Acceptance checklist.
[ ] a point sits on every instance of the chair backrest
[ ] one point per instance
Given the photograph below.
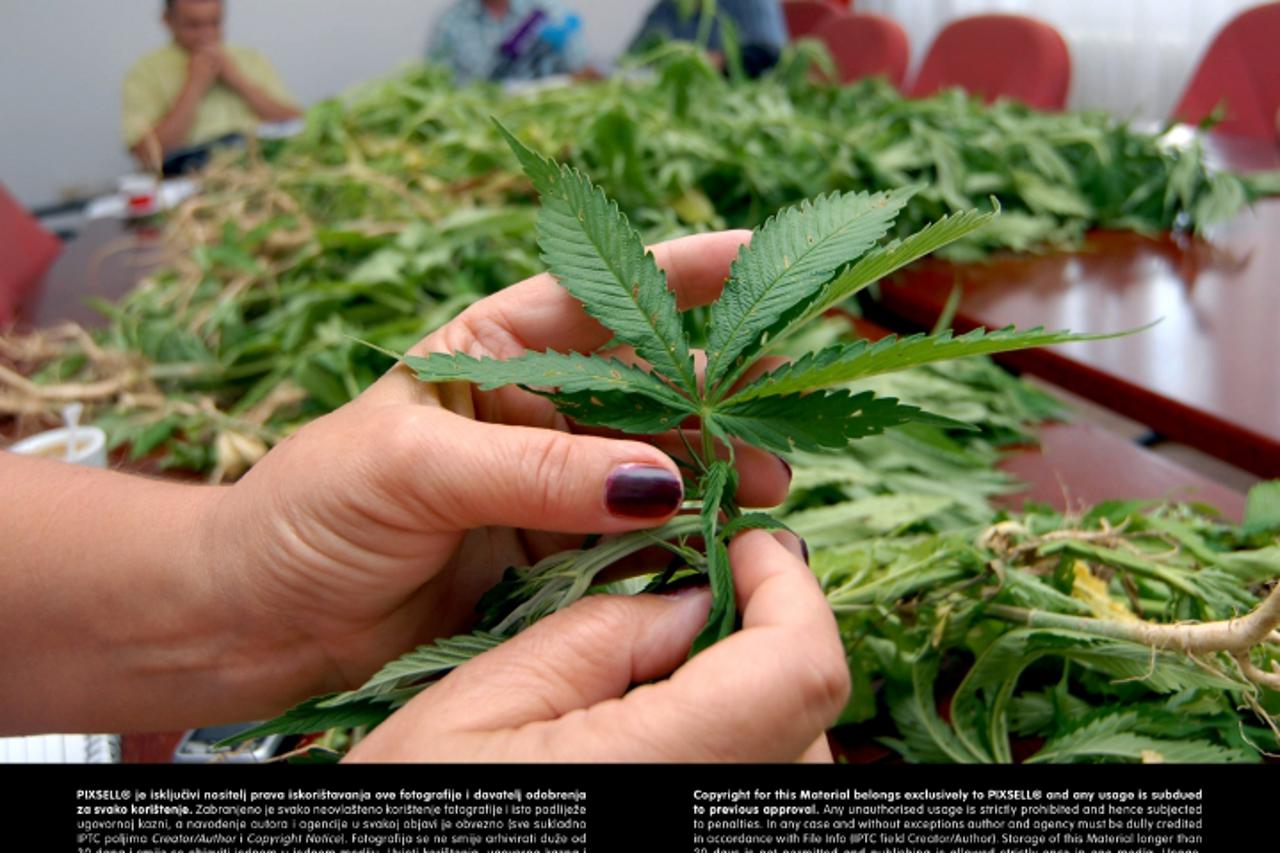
(805, 16)
(26, 251)
(996, 56)
(866, 46)
(1241, 71)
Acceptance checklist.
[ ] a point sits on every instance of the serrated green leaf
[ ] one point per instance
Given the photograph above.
(827, 419)
(787, 261)
(307, 717)
(1042, 712)
(753, 521)
(1046, 197)
(1262, 564)
(724, 612)
(890, 258)
(631, 413)
(838, 523)
(152, 437)
(979, 710)
(845, 363)
(588, 244)
(926, 736)
(1112, 735)
(1220, 591)
(569, 372)
(424, 662)
(1262, 507)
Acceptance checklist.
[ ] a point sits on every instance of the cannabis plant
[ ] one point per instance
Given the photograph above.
(802, 262)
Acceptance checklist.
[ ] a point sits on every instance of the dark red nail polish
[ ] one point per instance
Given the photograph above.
(787, 465)
(643, 491)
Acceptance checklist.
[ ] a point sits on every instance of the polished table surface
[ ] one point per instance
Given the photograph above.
(104, 261)
(1077, 465)
(1208, 374)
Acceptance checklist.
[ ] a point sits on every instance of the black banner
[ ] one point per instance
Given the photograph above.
(700, 809)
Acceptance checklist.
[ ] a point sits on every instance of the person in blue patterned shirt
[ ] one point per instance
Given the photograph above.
(761, 28)
(507, 40)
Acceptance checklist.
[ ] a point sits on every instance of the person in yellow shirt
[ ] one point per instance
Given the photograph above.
(196, 90)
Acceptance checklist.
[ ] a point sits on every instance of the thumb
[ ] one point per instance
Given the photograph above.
(588, 653)
(466, 474)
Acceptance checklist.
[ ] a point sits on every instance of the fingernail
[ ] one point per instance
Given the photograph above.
(794, 544)
(787, 465)
(682, 589)
(643, 491)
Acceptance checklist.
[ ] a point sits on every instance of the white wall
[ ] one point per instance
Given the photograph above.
(61, 63)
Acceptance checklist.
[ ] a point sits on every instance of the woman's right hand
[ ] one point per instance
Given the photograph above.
(561, 691)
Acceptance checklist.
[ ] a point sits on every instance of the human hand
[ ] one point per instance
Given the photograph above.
(204, 66)
(556, 691)
(230, 72)
(379, 526)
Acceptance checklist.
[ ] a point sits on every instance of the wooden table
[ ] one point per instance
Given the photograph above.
(1208, 375)
(104, 261)
(1079, 465)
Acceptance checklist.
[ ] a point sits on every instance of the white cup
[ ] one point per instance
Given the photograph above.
(89, 448)
(141, 194)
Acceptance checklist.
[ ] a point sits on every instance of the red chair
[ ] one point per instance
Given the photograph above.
(997, 56)
(26, 252)
(805, 16)
(866, 46)
(1241, 71)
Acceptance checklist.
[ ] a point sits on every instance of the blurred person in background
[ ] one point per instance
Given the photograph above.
(507, 40)
(760, 26)
(197, 90)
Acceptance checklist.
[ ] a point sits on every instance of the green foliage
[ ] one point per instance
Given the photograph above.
(817, 421)
(718, 483)
(789, 263)
(1122, 734)
(984, 630)
(400, 204)
(312, 716)
(1262, 508)
(841, 364)
(590, 247)
(424, 663)
(789, 259)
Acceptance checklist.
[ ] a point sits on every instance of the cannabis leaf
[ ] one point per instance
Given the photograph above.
(793, 255)
(626, 412)
(425, 662)
(788, 274)
(723, 613)
(310, 716)
(592, 389)
(980, 707)
(1112, 735)
(816, 421)
(875, 265)
(927, 737)
(597, 256)
(845, 363)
